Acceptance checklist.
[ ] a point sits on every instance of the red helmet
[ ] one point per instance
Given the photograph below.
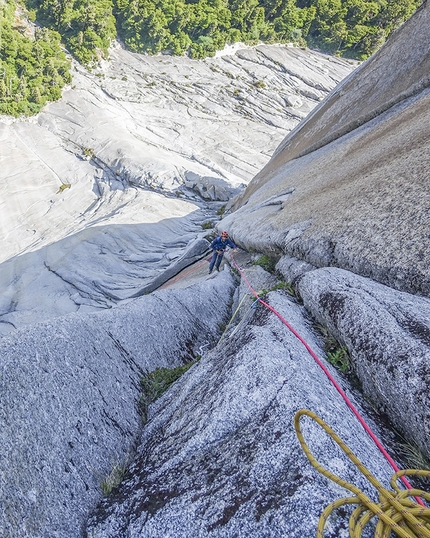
(224, 234)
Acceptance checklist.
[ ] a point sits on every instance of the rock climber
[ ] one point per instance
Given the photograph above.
(219, 246)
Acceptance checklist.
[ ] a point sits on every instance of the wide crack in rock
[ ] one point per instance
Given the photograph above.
(219, 456)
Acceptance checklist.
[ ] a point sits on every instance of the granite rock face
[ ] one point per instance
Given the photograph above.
(219, 456)
(357, 173)
(387, 333)
(70, 391)
(292, 268)
(126, 169)
(105, 190)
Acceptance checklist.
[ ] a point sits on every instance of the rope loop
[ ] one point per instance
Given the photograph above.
(396, 511)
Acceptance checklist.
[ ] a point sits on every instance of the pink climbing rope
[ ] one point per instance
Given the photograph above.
(333, 381)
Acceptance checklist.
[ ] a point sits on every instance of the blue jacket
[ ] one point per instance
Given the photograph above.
(219, 244)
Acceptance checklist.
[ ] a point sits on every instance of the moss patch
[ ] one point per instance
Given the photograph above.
(267, 262)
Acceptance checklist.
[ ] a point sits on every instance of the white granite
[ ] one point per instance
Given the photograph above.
(145, 143)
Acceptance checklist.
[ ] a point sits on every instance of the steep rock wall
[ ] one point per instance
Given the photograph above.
(361, 200)
(219, 457)
(106, 187)
(387, 333)
(397, 71)
(69, 400)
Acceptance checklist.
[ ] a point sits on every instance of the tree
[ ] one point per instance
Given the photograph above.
(31, 71)
(87, 26)
(34, 71)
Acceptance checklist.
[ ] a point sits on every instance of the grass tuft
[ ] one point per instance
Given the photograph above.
(63, 187)
(339, 358)
(114, 478)
(286, 286)
(157, 382)
(414, 457)
(89, 153)
(337, 355)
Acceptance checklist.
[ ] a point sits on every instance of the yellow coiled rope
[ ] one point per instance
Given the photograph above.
(396, 511)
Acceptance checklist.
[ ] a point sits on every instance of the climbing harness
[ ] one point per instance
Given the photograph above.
(396, 511)
(337, 387)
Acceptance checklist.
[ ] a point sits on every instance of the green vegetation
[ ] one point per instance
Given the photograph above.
(339, 358)
(33, 69)
(337, 355)
(286, 286)
(153, 386)
(415, 458)
(207, 225)
(267, 262)
(88, 152)
(157, 382)
(63, 187)
(86, 26)
(260, 84)
(114, 478)
(355, 28)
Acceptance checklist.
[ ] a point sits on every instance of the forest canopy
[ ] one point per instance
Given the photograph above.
(352, 28)
(34, 69)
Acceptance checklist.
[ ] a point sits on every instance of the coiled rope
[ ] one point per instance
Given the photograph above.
(333, 381)
(396, 511)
